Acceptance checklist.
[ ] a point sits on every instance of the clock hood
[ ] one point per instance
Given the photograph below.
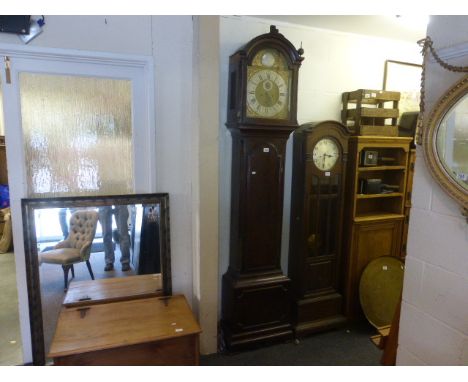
(293, 55)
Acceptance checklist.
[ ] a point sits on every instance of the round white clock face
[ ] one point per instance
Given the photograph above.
(267, 93)
(325, 154)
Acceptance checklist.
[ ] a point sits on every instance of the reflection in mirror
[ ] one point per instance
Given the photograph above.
(70, 242)
(452, 142)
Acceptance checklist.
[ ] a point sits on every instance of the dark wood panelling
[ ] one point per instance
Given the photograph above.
(315, 247)
(255, 293)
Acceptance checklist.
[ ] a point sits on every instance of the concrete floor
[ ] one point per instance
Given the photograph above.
(10, 338)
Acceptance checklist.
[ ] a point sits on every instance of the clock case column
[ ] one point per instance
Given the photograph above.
(255, 292)
(256, 302)
(316, 251)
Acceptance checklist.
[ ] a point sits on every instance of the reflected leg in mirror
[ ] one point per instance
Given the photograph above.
(105, 218)
(121, 218)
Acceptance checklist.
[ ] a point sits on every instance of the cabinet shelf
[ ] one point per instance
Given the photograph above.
(376, 217)
(381, 168)
(378, 196)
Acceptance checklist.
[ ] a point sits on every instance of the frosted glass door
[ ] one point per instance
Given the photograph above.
(77, 134)
(76, 123)
(79, 124)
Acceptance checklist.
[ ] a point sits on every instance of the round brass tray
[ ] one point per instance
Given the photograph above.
(380, 289)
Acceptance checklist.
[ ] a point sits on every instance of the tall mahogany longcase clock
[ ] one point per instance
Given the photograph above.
(316, 263)
(262, 112)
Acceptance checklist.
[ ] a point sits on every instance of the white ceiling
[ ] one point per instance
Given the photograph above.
(401, 28)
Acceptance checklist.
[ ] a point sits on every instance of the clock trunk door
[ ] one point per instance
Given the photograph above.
(262, 203)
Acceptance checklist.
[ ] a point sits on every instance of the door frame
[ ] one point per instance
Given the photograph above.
(15, 151)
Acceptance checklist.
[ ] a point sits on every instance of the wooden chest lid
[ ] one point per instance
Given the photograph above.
(113, 289)
(105, 326)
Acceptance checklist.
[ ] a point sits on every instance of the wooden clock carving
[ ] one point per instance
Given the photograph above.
(262, 112)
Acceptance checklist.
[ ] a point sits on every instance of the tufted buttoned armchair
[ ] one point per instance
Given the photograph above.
(76, 247)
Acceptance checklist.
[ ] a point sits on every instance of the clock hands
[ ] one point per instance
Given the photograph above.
(325, 155)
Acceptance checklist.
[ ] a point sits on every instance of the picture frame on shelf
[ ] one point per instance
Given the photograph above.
(404, 77)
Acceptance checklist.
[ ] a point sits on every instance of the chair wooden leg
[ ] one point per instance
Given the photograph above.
(88, 264)
(73, 271)
(65, 268)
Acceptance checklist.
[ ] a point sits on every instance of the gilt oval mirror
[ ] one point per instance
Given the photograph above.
(92, 249)
(446, 142)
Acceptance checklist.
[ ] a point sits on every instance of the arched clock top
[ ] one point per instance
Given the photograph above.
(344, 130)
(263, 83)
(274, 40)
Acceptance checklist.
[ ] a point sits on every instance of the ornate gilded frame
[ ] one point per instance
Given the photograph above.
(437, 169)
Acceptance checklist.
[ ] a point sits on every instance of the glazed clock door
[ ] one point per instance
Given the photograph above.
(324, 189)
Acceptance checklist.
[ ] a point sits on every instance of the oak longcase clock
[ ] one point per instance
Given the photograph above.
(262, 112)
(316, 263)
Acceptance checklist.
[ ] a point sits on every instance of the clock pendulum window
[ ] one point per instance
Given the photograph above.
(262, 112)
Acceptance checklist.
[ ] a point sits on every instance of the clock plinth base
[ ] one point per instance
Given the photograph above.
(316, 314)
(256, 310)
(253, 339)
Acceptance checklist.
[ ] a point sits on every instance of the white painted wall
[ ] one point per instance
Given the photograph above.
(169, 40)
(335, 62)
(434, 315)
(205, 172)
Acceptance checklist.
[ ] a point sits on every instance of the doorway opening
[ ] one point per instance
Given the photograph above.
(76, 123)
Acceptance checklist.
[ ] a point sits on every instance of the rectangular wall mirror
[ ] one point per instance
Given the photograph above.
(70, 241)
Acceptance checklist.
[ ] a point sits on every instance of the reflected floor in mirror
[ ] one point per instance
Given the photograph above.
(52, 293)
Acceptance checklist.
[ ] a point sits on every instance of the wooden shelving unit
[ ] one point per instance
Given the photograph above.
(375, 222)
(371, 112)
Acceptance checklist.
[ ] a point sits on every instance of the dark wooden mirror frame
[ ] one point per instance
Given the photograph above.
(437, 169)
(30, 249)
